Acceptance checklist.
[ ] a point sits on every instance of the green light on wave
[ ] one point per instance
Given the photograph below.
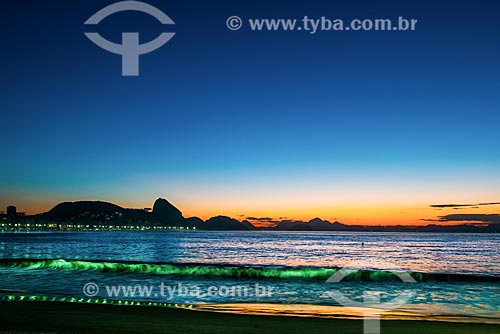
(12, 298)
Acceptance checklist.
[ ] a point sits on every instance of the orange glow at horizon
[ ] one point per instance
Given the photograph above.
(349, 215)
(369, 216)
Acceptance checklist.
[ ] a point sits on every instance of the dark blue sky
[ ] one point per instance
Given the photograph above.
(215, 107)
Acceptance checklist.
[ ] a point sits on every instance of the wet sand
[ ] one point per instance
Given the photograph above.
(38, 317)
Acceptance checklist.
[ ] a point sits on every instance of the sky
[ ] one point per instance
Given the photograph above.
(366, 127)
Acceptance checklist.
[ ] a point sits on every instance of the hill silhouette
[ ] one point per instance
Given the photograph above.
(221, 223)
(315, 224)
(72, 210)
(165, 214)
(105, 213)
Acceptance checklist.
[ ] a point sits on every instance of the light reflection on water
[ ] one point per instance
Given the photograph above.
(423, 252)
(477, 254)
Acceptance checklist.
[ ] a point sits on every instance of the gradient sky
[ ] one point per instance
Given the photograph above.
(366, 127)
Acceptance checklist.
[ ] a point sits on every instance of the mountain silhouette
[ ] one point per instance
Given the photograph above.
(163, 214)
(166, 213)
(194, 222)
(73, 210)
(315, 224)
(104, 213)
(221, 223)
(98, 213)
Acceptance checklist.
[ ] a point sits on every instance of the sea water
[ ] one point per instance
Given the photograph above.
(450, 276)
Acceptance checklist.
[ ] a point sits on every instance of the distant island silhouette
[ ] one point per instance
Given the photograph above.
(99, 214)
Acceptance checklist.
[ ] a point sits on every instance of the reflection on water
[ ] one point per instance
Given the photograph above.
(423, 252)
(435, 312)
(295, 265)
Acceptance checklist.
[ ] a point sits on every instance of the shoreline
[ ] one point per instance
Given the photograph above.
(38, 317)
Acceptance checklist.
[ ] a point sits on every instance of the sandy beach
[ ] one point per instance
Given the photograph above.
(41, 317)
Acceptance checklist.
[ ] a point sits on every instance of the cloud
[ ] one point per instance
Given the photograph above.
(492, 218)
(291, 221)
(463, 205)
(263, 219)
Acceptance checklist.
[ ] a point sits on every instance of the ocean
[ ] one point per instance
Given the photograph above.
(450, 276)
